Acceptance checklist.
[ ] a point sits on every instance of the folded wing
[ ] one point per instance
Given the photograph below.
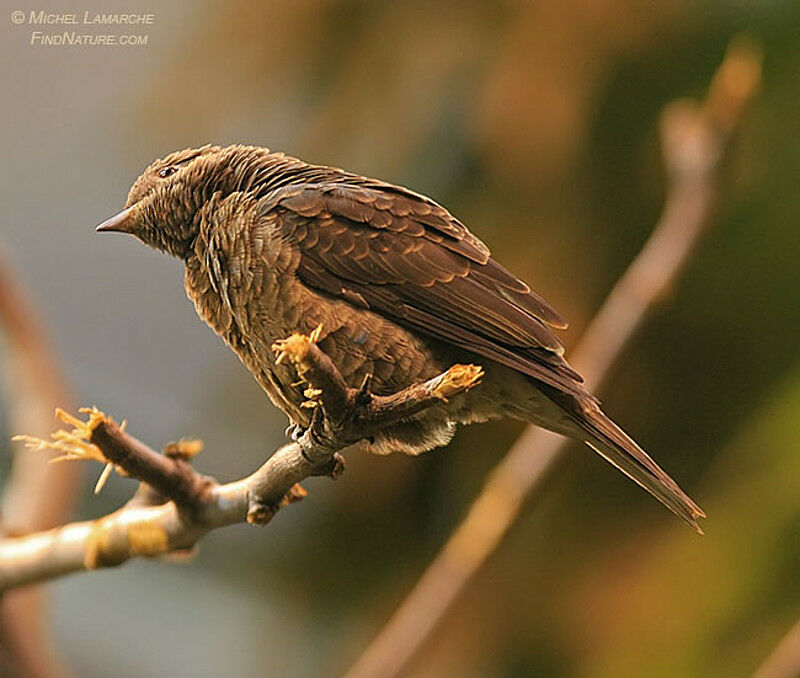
(387, 249)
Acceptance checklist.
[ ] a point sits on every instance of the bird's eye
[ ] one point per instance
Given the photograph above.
(166, 171)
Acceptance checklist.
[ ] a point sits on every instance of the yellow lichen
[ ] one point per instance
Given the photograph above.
(108, 546)
(147, 539)
(102, 550)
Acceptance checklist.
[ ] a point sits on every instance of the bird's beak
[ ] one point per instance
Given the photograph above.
(119, 223)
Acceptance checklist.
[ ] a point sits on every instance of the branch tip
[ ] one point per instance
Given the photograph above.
(458, 379)
(74, 444)
(260, 513)
(185, 448)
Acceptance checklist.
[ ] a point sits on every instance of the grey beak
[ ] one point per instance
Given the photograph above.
(119, 223)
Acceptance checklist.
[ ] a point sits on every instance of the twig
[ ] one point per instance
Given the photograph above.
(198, 504)
(170, 475)
(36, 495)
(693, 141)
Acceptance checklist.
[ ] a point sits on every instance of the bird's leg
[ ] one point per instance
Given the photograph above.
(317, 434)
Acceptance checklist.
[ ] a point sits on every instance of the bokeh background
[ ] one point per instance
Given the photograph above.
(536, 124)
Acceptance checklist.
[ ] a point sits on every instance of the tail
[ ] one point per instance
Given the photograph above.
(614, 445)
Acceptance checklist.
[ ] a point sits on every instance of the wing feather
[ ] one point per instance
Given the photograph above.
(407, 258)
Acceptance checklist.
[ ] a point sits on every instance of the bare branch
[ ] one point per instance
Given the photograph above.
(693, 140)
(198, 504)
(169, 475)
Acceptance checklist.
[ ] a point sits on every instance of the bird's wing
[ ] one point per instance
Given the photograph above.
(407, 258)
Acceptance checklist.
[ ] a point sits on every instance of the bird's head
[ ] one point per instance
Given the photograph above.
(163, 203)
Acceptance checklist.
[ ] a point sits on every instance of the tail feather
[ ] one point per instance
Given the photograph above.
(611, 443)
(616, 447)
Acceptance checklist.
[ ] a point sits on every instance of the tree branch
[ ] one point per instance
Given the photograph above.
(169, 475)
(197, 504)
(694, 139)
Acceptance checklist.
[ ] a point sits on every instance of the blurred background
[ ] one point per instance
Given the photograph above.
(536, 124)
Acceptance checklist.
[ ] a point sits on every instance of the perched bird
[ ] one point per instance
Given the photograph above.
(273, 245)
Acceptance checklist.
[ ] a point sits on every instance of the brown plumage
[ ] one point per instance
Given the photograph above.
(402, 289)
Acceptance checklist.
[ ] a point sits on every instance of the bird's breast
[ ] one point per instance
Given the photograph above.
(250, 295)
(249, 307)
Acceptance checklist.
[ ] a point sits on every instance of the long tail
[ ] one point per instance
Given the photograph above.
(615, 446)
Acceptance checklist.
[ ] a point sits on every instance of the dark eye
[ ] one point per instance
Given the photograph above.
(166, 171)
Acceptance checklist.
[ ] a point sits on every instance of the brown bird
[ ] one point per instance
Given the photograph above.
(273, 245)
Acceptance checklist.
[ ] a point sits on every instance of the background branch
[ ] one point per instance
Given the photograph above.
(36, 495)
(693, 141)
(784, 660)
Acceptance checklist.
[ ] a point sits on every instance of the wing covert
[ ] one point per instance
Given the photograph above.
(405, 257)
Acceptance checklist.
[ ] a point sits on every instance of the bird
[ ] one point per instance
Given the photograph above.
(400, 288)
